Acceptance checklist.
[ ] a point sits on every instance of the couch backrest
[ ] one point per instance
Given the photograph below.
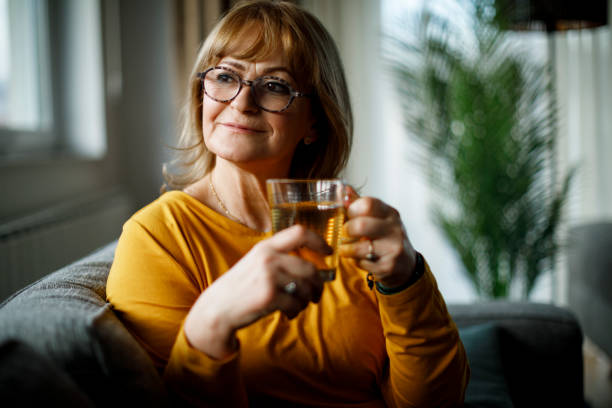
(63, 326)
(589, 257)
(65, 318)
(540, 346)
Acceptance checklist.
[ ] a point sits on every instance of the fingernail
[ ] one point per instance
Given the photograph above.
(349, 195)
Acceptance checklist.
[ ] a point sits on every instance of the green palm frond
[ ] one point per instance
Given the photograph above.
(484, 115)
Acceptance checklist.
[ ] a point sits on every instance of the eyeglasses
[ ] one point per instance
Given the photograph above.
(270, 93)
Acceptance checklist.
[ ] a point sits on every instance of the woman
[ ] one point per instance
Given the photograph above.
(226, 313)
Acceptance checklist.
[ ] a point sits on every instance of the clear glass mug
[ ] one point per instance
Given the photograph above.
(317, 204)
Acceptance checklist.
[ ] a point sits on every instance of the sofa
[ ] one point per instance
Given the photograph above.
(62, 345)
(590, 281)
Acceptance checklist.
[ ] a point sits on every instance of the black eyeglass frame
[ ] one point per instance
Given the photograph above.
(293, 93)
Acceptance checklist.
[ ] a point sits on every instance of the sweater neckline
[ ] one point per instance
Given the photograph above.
(214, 216)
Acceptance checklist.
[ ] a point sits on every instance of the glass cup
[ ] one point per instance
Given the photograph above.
(316, 204)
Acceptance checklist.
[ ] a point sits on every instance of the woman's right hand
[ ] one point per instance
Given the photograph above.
(255, 287)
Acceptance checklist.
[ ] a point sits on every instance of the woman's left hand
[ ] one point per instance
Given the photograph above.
(376, 229)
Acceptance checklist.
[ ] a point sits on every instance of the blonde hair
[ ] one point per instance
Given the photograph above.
(314, 61)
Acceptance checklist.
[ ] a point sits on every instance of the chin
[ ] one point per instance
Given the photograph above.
(242, 150)
(238, 155)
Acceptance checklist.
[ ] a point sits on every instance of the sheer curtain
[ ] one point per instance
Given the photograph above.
(584, 82)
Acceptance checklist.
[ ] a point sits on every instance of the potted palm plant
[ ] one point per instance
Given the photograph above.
(484, 114)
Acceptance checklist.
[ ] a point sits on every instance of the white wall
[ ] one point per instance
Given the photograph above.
(148, 111)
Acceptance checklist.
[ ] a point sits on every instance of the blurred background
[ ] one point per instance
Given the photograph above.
(487, 124)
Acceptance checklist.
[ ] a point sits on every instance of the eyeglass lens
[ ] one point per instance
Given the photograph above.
(269, 93)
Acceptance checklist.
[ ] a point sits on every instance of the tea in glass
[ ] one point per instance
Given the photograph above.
(315, 204)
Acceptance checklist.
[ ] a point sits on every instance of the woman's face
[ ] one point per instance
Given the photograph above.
(243, 133)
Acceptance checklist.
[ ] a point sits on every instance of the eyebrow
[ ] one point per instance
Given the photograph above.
(268, 70)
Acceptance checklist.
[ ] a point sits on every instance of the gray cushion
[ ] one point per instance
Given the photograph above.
(65, 317)
(540, 347)
(487, 386)
(33, 380)
(590, 280)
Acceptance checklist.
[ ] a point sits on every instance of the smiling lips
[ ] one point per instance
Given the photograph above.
(236, 127)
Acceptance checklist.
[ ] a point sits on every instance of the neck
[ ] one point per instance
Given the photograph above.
(242, 193)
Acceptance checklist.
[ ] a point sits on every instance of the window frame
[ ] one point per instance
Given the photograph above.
(35, 180)
(72, 82)
(17, 141)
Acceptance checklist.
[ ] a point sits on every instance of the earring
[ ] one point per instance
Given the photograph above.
(307, 140)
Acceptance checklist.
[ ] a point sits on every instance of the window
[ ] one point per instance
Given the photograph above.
(52, 97)
(25, 111)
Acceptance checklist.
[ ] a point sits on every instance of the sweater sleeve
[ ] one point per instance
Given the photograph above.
(151, 286)
(428, 365)
(203, 381)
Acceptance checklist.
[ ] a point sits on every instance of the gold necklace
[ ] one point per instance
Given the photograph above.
(222, 205)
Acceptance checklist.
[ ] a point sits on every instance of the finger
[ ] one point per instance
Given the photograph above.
(370, 227)
(372, 207)
(377, 267)
(296, 267)
(290, 305)
(359, 252)
(304, 291)
(350, 195)
(297, 236)
(304, 275)
(358, 249)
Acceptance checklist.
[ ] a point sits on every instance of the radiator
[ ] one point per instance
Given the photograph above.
(34, 246)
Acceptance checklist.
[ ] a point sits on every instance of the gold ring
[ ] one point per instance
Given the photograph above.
(371, 256)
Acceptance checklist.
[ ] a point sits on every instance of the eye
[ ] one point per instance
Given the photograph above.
(225, 77)
(275, 86)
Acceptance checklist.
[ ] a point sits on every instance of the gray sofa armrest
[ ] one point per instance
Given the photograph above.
(541, 347)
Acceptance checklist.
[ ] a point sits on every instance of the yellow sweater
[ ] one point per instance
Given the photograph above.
(356, 347)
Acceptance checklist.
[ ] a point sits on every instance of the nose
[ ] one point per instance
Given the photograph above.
(244, 101)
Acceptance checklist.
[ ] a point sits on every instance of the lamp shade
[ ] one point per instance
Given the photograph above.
(554, 15)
